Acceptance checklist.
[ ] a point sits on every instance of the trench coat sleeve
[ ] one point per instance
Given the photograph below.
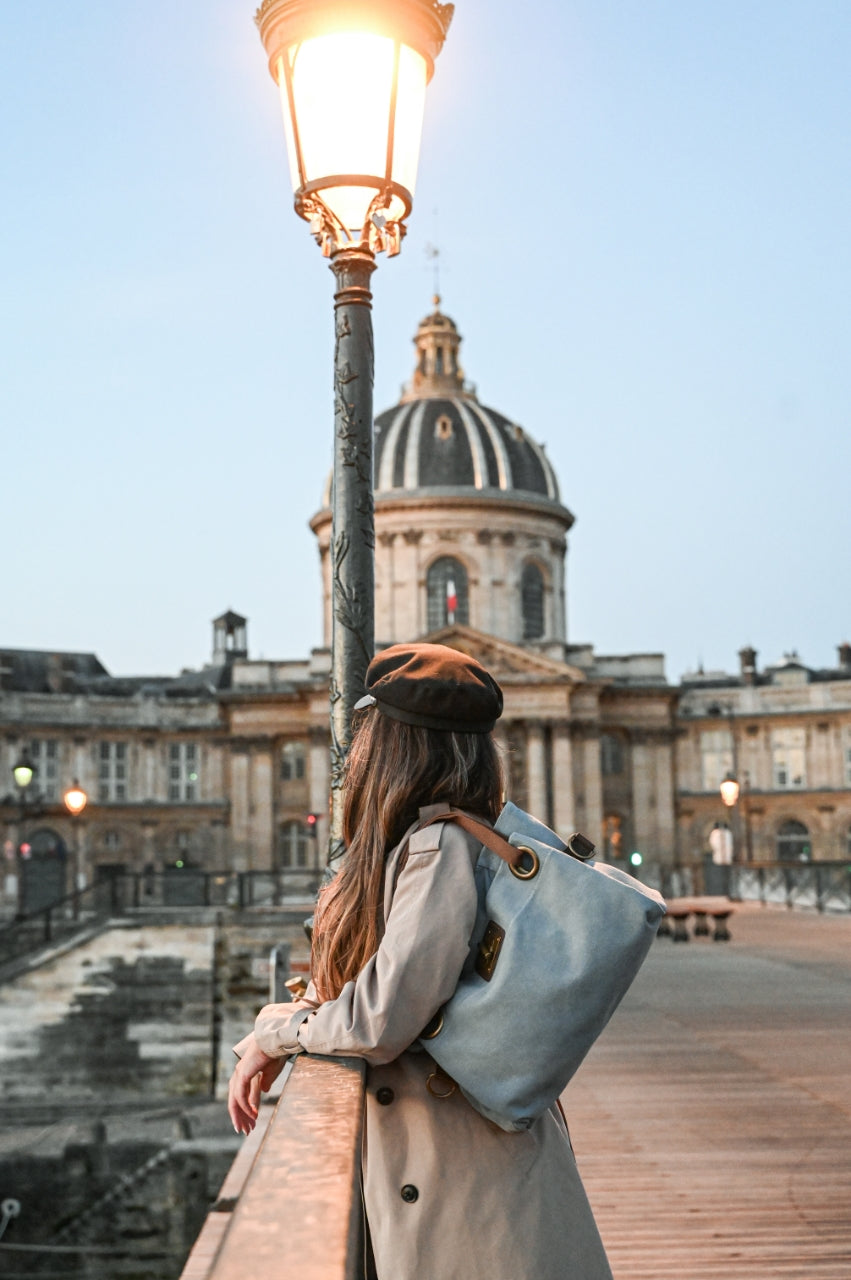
(414, 971)
(290, 1017)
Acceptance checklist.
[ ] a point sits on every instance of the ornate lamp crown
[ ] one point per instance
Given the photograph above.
(352, 77)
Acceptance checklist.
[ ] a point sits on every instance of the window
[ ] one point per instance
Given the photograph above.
(294, 845)
(44, 755)
(793, 843)
(112, 772)
(183, 770)
(611, 754)
(112, 840)
(788, 753)
(532, 602)
(716, 758)
(447, 595)
(293, 762)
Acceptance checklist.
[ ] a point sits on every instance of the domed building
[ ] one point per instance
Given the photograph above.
(471, 541)
(470, 528)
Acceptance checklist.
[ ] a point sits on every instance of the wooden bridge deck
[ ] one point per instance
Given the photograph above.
(712, 1122)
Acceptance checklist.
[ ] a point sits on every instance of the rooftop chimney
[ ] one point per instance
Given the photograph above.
(747, 663)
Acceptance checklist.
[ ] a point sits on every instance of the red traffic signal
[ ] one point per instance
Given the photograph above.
(311, 821)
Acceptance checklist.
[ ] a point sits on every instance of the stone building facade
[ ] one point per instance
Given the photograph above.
(222, 767)
(784, 732)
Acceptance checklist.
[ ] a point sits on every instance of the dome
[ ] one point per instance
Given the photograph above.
(469, 527)
(440, 438)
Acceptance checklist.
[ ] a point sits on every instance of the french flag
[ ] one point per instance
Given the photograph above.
(451, 600)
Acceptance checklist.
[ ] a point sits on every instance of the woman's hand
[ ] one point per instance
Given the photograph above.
(254, 1073)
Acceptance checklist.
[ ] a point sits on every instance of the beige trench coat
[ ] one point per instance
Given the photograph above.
(449, 1195)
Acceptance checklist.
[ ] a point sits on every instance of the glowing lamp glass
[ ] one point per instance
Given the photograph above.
(729, 792)
(23, 775)
(75, 800)
(342, 120)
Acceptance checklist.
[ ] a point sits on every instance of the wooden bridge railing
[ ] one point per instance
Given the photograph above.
(290, 1207)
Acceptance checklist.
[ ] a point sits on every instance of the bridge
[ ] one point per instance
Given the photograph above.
(712, 1125)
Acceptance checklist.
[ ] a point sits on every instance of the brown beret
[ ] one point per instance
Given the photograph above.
(433, 686)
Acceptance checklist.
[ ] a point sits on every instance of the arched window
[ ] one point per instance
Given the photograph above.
(294, 845)
(793, 842)
(447, 595)
(532, 602)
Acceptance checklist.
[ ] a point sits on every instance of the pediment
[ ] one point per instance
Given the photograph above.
(508, 663)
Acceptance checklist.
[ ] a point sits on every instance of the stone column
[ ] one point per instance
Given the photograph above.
(564, 793)
(643, 797)
(148, 770)
(487, 576)
(666, 832)
(559, 619)
(240, 808)
(593, 825)
(500, 734)
(415, 589)
(385, 589)
(320, 787)
(536, 775)
(262, 810)
(506, 605)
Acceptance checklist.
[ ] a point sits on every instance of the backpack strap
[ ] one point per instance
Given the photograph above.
(515, 857)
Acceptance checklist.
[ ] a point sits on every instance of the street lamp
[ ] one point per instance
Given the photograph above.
(352, 76)
(729, 790)
(75, 801)
(23, 771)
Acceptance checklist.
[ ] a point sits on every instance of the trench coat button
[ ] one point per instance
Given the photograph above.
(384, 1096)
(410, 1193)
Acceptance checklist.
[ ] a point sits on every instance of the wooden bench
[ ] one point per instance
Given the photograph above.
(704, 909)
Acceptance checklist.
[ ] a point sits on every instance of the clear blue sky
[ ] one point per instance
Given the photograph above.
(643, 212)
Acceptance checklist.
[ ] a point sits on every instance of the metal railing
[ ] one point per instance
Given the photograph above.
(131, 893)
(291, 1203)
(823, 886)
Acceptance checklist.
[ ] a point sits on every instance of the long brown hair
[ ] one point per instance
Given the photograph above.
(393, 770)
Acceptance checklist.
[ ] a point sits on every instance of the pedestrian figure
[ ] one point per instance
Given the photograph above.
(448, 1194)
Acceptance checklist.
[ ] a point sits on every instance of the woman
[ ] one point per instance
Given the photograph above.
(448, 1194)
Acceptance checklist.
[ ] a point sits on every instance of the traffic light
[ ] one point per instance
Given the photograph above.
(310, 823)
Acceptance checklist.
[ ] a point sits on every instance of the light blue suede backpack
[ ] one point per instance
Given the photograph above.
(558, 941)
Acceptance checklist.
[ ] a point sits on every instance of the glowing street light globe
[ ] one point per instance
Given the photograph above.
(729, 790)
(23, 771)
(75, 800)
(352, 75)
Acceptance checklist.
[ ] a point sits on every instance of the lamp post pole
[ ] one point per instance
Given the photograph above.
(352, 75)
(24, 772)
(75, 800)
(353, 525)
